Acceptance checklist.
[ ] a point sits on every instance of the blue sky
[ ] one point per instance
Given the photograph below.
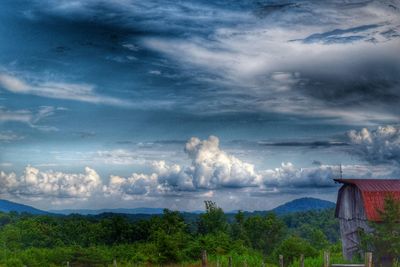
(168, 103)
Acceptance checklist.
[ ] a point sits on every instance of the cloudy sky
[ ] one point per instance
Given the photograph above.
(127, 103)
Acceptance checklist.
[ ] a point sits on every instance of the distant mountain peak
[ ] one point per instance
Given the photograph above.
(303, 204)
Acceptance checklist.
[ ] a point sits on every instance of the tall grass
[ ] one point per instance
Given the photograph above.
(335, 258)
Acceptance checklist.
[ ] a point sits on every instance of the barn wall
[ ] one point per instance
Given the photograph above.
(352, 217)
(350, 237)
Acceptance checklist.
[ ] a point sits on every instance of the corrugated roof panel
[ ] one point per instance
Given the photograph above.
(374, 192)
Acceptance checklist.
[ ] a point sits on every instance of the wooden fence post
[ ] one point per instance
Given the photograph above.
(230, 261)
(114, 263)
(204, 258)
(67, 263)
(302, 260)
(326, 259)
(280, 260)
(368, 259)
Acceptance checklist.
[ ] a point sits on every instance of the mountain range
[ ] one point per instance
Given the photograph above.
(297, 205)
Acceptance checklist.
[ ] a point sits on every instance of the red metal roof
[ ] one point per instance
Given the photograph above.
(374, 192)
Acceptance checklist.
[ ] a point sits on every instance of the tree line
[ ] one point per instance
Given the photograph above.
(173, 237)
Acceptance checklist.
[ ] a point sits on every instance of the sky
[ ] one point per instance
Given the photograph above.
(126, 103)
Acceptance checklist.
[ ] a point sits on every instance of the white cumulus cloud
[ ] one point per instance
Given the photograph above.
(380, 145)
(50, 184)
(287, 175)
(211, 168)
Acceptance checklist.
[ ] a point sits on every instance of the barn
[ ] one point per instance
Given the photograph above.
(358, 203)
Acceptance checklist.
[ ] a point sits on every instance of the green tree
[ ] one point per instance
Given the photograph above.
(384, 240)
(264, 233)
(169, 234)
(238, 230)
(213, 220)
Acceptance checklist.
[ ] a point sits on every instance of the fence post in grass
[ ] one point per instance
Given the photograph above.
(204, 258)
(114, 263)
(280, 260)
(302, 260)
(368, 259)
(230, 261)
(67, 263)
(217, 262)
(245, 263)
(326, 259)
(263, 263)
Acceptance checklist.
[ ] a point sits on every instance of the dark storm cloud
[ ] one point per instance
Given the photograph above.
(238, 55)
(340, 35)
(141, 18)
(311, 144)
(373, 81)
(266, 9)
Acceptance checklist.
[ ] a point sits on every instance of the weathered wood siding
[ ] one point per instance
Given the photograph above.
(352, 217)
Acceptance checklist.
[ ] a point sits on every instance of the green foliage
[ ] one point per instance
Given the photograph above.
(314, 236)
(323, 220)
(169, 234)
(14, 262)
(384, 241)
(214, 220)
(318, 261)
(250, 259)
(292, 247)
(170, 238)
(238, 231)
(264, 233)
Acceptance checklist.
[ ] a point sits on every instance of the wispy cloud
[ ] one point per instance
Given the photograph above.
(29, 117)
(118, 157)
(9, 136)
(59, 90)
(275, 75)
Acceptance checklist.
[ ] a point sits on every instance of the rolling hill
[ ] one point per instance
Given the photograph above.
(303, 204)
(7, 206)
